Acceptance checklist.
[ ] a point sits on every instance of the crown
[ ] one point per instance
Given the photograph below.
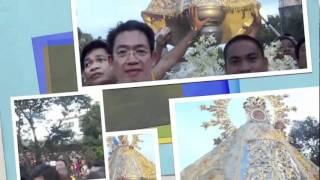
(255, 108)
(254, 103)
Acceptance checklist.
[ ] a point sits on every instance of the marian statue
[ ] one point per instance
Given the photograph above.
(257, 150)
(125, 162)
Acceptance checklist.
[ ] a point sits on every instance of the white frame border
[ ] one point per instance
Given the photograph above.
(189, 80)
(84, 92)
(174, 101)
(152, 131)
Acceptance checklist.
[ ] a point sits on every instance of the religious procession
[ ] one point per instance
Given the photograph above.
(197, 38)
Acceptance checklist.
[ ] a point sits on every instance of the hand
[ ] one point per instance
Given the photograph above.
(254, 28)
(196, 23)
(162, 38)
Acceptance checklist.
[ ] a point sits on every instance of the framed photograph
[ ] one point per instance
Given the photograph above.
(181, 52)
(133, 154)
(59, 135)
(232, 135)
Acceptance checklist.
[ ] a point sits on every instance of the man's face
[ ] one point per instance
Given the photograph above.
(97, 70)
(132, 57)
(287, 48)
(243, 56)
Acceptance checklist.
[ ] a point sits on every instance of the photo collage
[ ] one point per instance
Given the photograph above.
(163, 90)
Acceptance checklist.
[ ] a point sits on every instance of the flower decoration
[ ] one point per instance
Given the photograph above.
(219, 110)
(280, 109)
(222, 120)
(203, 59)
(276, 60)
(123, 141)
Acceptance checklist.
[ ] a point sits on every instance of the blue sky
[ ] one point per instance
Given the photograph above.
(193, 141)
(98, 16)
(147, 146)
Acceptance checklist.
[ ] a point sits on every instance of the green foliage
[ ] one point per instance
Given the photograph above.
(91, 122)
(32, 111)
(305, 137)
(295, 25)
(266, 35)
(99, 153)
(57, 137)
(84, 39)
(91, 127)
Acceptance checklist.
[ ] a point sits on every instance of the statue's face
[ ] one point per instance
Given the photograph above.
(258, 115)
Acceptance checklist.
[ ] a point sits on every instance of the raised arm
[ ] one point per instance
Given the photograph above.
(172, 57)
(254, 28)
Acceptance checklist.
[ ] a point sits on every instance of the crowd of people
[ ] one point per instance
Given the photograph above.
(64, 166)
(131, 53)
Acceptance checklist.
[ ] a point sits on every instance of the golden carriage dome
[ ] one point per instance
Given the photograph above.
(172, 13)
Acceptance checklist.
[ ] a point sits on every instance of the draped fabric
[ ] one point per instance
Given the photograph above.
(255, 151)
(127, 163)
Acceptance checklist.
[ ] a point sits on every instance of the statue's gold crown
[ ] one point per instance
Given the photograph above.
(254, 103)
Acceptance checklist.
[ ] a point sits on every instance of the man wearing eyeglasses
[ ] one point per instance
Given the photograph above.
(131, 46)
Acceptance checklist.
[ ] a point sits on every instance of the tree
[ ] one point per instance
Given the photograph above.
(266, 35)
(32, 111)
(295, 25)
(84, 39)
(57, 137)
(91, 126)
(305, 137)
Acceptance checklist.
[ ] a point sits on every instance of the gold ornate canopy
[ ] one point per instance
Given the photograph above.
(172, 13)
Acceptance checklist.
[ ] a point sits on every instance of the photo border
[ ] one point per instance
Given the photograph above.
(152, 131)
(194, 79)
(2, 157)
(174, 101)
(39, 96)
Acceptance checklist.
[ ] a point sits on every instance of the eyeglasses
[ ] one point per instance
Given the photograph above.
(136, 52)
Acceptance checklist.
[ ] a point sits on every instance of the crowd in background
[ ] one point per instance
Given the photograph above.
(60, 166)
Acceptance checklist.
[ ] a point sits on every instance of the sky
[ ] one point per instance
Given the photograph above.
(98, 16)
(147, 146)
(189, 119)
(53, 114)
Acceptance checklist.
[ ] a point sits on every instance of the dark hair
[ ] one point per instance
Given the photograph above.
(130, 25)
(242, 38)
(95, 44)
(48, 172)
(288, 37)
(298, 46)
